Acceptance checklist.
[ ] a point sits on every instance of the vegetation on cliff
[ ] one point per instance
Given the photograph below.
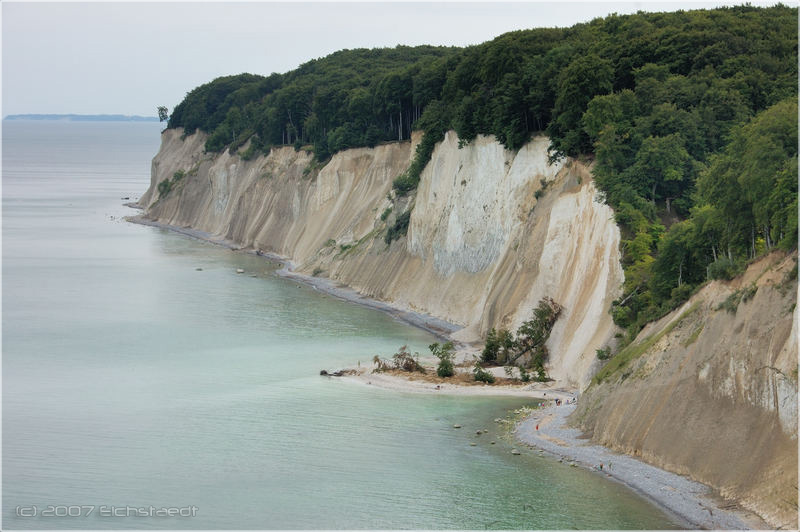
(690, 117)
(528, 348)
(348, 99)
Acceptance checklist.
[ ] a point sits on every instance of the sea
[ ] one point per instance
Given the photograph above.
(148, 385)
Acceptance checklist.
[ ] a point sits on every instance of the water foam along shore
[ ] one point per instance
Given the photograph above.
(692, 503)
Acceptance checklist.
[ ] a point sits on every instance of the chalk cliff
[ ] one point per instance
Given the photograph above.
(712, 393)
(491, 231)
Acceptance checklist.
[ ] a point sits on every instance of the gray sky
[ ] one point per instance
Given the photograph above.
(114, 57)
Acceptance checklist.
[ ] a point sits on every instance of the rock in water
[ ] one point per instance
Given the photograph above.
(515, 451)
(456, 426)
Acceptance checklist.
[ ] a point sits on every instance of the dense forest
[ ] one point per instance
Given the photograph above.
(689, 117)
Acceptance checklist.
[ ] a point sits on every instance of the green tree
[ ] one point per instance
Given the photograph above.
(753, 183)
(533, 333)
(585, 77)
(661, 162)
(490, 348)
(445, 353)
(163, 113)
(498, 347)
(676, 263)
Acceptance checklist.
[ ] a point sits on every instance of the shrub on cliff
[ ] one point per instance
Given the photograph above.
(724, 268)
(164, 188)
(529, 342)
(533, 333)
(399, 229)
(604, 353)
(499, 344)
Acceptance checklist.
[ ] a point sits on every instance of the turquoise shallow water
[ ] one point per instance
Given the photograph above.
(132, 380)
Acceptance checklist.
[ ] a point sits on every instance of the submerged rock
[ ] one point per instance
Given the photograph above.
(338, 373)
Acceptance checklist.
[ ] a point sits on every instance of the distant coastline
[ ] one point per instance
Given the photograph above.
(85, 118)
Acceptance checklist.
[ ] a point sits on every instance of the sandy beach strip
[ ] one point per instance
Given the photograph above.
(693, 504)
(397, 383)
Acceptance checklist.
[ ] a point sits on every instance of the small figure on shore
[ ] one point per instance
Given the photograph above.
(601, 466)
(537, 426)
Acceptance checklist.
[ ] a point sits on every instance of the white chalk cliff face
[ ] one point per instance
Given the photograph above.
(491, 231)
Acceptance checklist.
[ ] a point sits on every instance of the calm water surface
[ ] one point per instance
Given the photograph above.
(132, 380)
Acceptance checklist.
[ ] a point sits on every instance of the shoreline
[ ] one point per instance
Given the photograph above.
(439, 328)
(693, 504)
(399, 383)
(689, 503)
